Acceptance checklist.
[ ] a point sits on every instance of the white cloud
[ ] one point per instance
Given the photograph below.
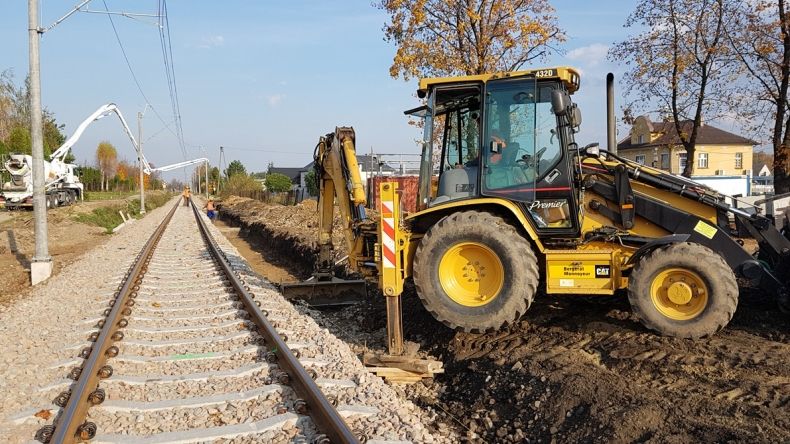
(275, 99)
(591, 55)
(211, 41)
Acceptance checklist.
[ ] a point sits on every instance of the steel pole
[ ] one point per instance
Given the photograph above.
(140, 160)
(611, 140)
(207, 180)
(41, 265)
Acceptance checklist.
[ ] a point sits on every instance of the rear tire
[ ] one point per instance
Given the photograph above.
(474, 272)
(685, 290)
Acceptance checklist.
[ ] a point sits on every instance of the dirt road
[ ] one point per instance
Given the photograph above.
(582, 369)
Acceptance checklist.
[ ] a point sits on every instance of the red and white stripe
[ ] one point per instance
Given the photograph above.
(387, 235)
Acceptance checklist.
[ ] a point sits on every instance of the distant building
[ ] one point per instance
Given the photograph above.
(763, 179)
(762, 169)
(723, 159)
(369, 165)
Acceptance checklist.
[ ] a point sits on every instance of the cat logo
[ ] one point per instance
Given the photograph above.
(603, 271)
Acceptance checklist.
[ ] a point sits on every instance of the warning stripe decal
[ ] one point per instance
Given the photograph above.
(387, 235)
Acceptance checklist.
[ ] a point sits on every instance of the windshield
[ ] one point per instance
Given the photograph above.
(521, 143)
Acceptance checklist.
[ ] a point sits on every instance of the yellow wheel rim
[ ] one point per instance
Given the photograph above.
(471, 274)
(679, 294)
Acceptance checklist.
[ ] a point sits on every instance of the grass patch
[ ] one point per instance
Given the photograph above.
(108, 217)
(109, 195)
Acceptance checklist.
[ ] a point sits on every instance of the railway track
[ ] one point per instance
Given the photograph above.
(185, 351)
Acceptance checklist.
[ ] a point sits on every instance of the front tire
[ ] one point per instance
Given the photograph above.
(474, 272)
(685, 290)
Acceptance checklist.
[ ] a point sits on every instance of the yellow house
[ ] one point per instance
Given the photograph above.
(719, 153)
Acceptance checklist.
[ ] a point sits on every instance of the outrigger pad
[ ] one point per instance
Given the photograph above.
(326, 293)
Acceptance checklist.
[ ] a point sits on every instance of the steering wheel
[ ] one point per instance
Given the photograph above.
(528, 160)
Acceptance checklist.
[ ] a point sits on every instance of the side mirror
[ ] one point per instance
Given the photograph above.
(576, 116)
(592, 150)
(560, 101)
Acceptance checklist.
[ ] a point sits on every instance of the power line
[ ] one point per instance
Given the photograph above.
(131, 70)
(170, 74)
(158, 132)
(264, 150)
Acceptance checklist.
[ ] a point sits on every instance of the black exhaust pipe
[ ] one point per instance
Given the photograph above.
(611, 142)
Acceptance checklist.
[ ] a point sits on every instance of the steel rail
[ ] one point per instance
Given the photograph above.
(320, 409)
(71, 426)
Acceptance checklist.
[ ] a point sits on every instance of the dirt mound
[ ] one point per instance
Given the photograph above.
(575, 368)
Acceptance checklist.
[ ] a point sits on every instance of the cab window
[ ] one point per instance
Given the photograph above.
(456, 138)
(521, 142)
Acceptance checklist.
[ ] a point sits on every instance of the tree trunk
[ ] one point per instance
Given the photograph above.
(782, 150)
(782, 163)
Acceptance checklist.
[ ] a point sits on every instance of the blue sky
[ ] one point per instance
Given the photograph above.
(269, 76)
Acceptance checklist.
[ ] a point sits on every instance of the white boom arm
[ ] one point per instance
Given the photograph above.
(180, 164)
(104, 110)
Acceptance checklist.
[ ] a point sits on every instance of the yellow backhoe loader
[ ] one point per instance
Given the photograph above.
(510, 205)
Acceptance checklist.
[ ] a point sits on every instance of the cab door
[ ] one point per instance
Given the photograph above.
(525, 158)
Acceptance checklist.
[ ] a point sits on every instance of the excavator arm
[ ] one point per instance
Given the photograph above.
(339, 182)
(769, 269)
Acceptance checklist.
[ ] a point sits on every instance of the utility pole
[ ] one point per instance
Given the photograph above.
(207, 180)
(140, 158)
(41, 264)
(221, 160)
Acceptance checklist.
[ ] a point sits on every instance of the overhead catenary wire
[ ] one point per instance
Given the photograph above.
(131, 70)
(170, 75)
(264, 150)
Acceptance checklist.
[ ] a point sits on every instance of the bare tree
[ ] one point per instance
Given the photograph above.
(760, 38)
(679, 64)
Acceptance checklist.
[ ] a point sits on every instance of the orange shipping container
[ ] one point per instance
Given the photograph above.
(407, 186)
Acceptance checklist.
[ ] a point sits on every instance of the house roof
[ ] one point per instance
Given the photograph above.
(292, 173)
(760, 165)
(706, 135)
(367, 162)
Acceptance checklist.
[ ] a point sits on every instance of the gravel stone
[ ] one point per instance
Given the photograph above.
(188, 342)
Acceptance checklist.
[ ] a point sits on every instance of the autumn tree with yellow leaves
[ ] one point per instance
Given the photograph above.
(106, 161)
(467, 37)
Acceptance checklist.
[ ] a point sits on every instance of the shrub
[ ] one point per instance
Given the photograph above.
(241, 185)
(277, 182)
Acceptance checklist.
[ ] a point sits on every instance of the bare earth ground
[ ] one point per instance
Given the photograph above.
(574, 369)
(68, 240)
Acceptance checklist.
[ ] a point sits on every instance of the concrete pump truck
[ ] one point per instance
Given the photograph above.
(509, 205)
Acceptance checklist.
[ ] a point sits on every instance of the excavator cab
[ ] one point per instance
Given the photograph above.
(508, 138)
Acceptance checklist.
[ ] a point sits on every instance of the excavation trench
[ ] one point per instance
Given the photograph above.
(270, 255)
